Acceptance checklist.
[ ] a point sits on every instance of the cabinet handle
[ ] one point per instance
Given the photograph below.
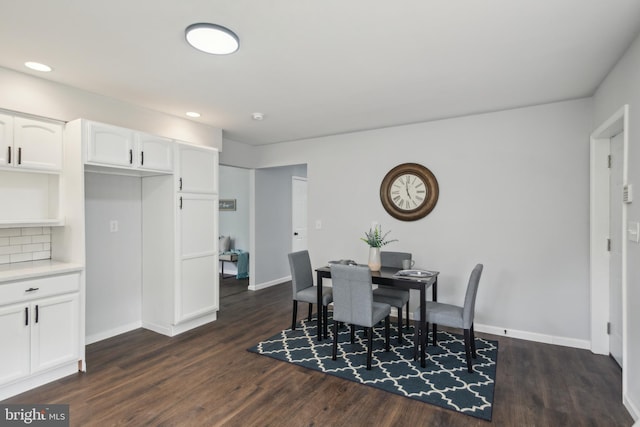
(142, 158)
(37, 313)
(9, 156)
(26, 316)
(32, 289)
(180, 186)
(130, 157)
(180, 202)
(19, 155)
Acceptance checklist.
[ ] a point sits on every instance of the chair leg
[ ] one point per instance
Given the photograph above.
(400, 325)
(310, 311)
(416, 339)
(334, 351)
(387, 333)
(434, 331)
(407, 317)
(353, 333)
(473, 343)
(325, 319)
(369, 348)
(295, 315)
(467, 349)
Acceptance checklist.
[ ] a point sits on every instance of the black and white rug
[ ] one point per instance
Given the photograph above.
(444, 381)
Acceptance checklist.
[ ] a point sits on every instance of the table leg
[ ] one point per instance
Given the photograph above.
(319, 305)
(434, 297)
(423, 327)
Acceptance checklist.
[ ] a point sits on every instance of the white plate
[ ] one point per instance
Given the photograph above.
(416, 273)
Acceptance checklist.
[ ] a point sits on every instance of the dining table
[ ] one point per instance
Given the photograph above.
(389, 276)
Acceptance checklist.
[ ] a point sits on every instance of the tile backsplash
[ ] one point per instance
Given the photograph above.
(24, 244)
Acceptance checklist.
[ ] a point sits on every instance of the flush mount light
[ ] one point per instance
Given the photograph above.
(37, 66)
(192, 114)
(212, 38)
(257, 116)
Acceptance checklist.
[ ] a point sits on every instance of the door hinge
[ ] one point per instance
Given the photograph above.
(608, 245)
(609, 161)
(608, 328)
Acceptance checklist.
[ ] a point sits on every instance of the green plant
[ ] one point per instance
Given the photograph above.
(375, 239)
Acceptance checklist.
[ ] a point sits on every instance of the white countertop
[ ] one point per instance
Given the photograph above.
(29, 269)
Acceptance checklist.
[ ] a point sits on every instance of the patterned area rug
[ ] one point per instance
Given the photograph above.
(444, 382)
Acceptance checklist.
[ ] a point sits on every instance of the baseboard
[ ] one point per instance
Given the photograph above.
(270, 283)
(90, 339)
(532, 336)
(633, 409)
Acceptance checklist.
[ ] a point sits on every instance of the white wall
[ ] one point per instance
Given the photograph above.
(26, 94)
(513, 195)
(622, 86)
(235, 184)
(113, 259)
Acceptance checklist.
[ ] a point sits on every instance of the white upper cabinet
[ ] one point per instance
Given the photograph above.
(114, 146)
(154, 152)
(197, 169)
(30, 144)
(109, 145)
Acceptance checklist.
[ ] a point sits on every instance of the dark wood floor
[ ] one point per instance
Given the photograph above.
(206, 377)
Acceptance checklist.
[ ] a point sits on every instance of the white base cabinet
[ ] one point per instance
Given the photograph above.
(39, 331)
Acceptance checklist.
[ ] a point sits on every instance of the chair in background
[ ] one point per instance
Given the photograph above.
(393, 296)
(353, 304)
(453, 316)
(303, 289)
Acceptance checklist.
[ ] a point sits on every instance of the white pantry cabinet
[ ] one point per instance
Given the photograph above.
(113, 146)
(30, 144)
(39, 331)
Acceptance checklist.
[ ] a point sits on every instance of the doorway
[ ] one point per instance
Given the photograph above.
(298, 213)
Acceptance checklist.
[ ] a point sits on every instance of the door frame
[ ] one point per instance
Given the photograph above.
(295, 178)
(599, 233)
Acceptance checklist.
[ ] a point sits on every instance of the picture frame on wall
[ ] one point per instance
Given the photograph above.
(227, 204)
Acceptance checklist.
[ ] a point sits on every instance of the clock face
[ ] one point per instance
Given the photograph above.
(409, 192)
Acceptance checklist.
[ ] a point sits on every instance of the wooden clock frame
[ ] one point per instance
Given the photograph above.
(427, 205)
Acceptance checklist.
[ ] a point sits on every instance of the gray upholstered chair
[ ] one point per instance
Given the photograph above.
(353, 304)
(303, 289)
(453, 316)
(393, 296)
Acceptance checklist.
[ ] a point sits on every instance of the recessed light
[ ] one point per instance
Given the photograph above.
(257, 116)
(37, 66)
(192, 114)
(212, 38)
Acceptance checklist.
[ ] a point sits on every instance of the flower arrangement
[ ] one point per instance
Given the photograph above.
(375, 239)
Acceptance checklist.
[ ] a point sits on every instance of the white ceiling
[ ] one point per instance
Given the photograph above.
(323, 67)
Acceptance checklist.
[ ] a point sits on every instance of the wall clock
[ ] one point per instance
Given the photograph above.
(409, 192)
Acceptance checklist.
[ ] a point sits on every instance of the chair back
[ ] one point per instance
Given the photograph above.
(352, 294)
(393, 259)
(470, 298)
(301, 273)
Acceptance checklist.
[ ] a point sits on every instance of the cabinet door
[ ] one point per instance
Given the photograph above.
(197, 263)
(197, 169)
(110, 145)
(37, 145)
(55, 330)
(14, 336)
(6, 140)
(154, 152)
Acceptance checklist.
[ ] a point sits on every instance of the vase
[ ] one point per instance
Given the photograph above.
(374, 259)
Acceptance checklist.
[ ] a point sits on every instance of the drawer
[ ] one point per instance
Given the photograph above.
(26, 290)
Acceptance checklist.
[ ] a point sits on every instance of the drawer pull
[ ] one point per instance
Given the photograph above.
(26, 316)
(32, 289)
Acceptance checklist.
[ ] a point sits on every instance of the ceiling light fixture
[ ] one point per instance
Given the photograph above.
(192, 114)
(37, 66)
(257, 116)
(212, 38)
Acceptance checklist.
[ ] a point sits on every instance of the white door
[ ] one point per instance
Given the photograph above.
(298, 214)
(198, 280)
(37, 145)
(615, 256)
(14, 335)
